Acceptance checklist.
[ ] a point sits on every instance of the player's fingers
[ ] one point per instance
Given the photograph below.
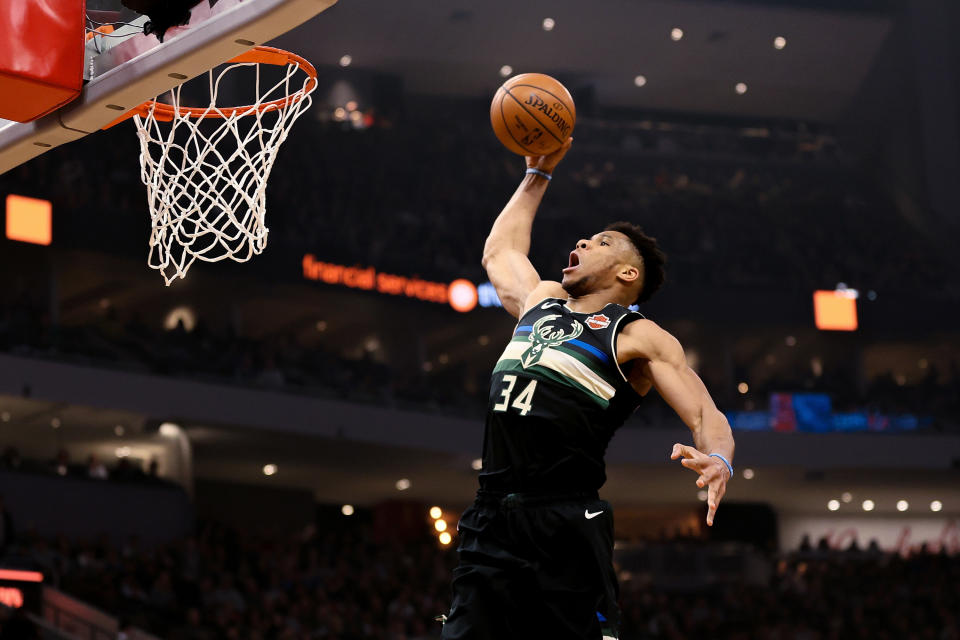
(701, 482)
(712, 502)
(681, 450)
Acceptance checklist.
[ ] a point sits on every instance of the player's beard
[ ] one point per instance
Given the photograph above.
(578, 287)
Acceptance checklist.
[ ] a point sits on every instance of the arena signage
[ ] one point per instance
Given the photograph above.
(460, 294)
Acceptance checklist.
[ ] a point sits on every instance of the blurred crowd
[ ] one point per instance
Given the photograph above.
(124, 470)
(342, 583)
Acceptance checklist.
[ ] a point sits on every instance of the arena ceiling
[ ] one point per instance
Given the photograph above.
(458, 48)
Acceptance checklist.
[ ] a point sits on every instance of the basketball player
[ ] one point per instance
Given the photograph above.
(536, 547)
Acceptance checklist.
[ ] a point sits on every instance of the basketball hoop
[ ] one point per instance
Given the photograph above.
(206, 168)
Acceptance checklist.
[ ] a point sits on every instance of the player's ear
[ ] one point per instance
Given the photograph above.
(629, 273)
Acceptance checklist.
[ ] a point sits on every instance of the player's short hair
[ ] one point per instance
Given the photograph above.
(653, 258)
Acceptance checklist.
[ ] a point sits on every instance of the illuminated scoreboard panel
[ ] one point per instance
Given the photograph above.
(21, 589)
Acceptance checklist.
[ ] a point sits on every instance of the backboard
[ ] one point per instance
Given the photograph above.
(126, 67)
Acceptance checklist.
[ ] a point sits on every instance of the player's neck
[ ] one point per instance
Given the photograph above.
(591, 302)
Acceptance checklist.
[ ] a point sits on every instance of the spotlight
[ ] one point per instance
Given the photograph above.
(549, 24)
(743, 387)
(741, 88)
(506, 70)
(403, 484)
(748, 474)
(440, 525)
(868, 505)
(833, 505)
(445, 538)
(779, 42)
(936, 505)
(676, 34)
(345, 60)
(169, 430)
(640, 81)
(902, 505)
(436, 513)
(347, 509)
(269, 469)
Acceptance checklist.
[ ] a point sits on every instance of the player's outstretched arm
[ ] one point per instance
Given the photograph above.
(505, 251)
(666, 368)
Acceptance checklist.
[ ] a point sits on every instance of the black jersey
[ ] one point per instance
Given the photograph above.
(556, 397)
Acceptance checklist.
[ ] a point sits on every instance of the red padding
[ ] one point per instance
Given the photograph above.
(41, 56)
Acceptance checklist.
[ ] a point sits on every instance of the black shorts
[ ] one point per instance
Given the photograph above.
(534, 567)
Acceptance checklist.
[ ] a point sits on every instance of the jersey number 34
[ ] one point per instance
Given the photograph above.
(523, 402)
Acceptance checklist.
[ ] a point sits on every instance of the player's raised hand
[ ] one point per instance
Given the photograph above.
(712, 472)
(549, 162)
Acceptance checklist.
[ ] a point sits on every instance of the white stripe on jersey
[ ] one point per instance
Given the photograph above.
(567, 366)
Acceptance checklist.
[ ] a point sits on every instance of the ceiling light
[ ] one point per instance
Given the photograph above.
(743, 387)
(436, 512)
(440, 525)
(506, 70)
(833, 505)
(123, 452)
(549, 24)
(779, 42)
(477, 464)
(936, 505)
(338, 114)
(269, 469)
(846, 496)
(702, 495)
(345, 60)
(741, 88)
(902, 505)
(676, 34)
(868, 505)
(347, 509)
(748, 474)
(445, 538)
(351, 106)
(403, 484)
(640, 81)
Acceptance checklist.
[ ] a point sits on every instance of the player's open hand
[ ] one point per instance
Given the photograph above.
(549, 162)
(713, 474)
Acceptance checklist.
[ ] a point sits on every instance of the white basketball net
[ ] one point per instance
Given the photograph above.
(206, 178)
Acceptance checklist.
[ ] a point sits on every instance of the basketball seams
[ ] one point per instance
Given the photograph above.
(506, 125)
(545, 128)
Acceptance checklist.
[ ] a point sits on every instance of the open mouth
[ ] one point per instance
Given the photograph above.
(574, 262)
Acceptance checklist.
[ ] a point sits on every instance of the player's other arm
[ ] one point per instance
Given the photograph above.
(665, 365)
(506, 249)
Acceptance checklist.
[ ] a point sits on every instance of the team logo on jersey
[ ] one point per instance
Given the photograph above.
(598, 321)
(547, 332)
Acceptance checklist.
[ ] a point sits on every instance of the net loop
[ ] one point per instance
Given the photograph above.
(206, 168)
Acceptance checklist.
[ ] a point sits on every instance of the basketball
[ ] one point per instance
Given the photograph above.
(532, 114)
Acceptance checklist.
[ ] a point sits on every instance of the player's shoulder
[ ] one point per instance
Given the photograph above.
(646, 339)
(545, 289)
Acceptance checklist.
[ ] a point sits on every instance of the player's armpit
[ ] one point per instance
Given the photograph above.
(513, 277)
